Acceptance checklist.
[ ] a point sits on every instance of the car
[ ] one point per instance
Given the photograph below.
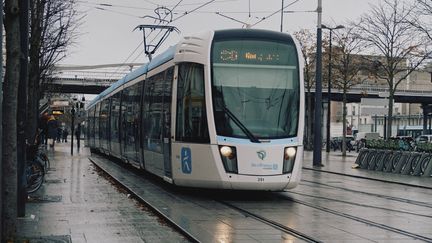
(336, 143)
(424, 139)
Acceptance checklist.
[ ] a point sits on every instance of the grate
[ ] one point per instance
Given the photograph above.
(53, 181)
(48, 239)
(44, 199)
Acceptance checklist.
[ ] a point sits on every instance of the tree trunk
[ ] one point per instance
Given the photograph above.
(390, 114)
(36, 13)
(9, 140)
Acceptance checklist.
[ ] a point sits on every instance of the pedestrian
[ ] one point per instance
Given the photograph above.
(59, 134)
(43, 125)
(65, 135)
(52, 130)
(78, 135)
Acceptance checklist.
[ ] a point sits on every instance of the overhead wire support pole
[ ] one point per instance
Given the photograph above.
(1, 117)
(329, 84)
(317, 157)
(282, 13)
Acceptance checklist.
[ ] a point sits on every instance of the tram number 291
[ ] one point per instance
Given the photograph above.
(260, 179)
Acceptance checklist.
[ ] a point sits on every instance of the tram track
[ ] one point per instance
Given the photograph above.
(248, 214)
(155, 209)
(271, 223)
(398, 199)
(361, 204)
(359, 219)
(120, 180)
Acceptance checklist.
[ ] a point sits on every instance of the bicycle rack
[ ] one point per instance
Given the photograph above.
(378, 157)
(427, 168)
(388, 165)
(403, 158)
(362, 154)
(369, 157)
(386, 158)
(413, 159)
(417, 168)
(398, 162)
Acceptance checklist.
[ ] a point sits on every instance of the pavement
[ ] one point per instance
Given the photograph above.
(79, 203)
(335, 163)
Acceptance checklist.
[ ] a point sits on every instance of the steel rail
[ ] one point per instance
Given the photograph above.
(271, 223)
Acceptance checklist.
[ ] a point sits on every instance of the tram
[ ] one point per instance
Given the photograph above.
(222, 109)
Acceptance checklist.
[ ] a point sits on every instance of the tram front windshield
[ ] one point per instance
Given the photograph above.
(255, 89)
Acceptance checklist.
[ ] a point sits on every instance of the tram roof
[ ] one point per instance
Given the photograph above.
(155, 62)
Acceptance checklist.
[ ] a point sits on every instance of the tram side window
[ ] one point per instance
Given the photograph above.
(191, 125)
(96, 125)
(152, 115)
(103, 123)
(115, 113)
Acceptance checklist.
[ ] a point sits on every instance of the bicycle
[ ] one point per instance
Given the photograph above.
(35, 174)
(36, 166)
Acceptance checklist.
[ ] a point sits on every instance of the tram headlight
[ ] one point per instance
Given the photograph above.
(226, 151)
(289, 159)
(229, 158)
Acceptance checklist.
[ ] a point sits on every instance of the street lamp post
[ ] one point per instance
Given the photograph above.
(329, 83)
(317, 158)
(72, 127)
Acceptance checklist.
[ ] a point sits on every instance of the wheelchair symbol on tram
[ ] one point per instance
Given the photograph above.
(186, 160)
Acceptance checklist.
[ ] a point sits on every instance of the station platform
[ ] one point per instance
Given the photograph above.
(80, 203)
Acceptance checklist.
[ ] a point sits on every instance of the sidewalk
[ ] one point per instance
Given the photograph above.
(78, 203)
(335, 163)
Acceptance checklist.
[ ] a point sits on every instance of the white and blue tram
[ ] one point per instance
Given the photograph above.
(223, 109)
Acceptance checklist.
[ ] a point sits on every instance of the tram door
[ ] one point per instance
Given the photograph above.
(167, 100)
(156, 123)
(130, 126)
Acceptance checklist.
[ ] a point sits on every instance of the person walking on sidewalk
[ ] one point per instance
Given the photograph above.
(65, 135)
(52, 129)
(78, 135)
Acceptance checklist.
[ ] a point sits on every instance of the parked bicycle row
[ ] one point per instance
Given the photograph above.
(37, 165)
(403, 162)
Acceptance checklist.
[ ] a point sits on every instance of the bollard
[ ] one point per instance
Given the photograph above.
(399, 164)
(413, 159)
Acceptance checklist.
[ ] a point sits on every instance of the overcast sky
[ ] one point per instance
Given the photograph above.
(106, 34)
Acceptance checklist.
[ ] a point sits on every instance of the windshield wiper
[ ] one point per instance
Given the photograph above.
(246, 131)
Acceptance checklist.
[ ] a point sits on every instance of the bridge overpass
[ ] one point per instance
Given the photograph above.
(86, 79)
(94, 79)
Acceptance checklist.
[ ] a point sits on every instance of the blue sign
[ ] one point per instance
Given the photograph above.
(186, 160)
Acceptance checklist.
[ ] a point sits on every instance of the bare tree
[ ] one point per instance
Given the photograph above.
(387, 31)
(9, 116)
(347, 63)
(308, 48)
(53, 30)
(424, 22)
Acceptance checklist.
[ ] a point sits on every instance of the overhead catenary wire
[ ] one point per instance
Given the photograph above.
(282, 9)
(103, 7)
(184, 14)
(141, 43)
